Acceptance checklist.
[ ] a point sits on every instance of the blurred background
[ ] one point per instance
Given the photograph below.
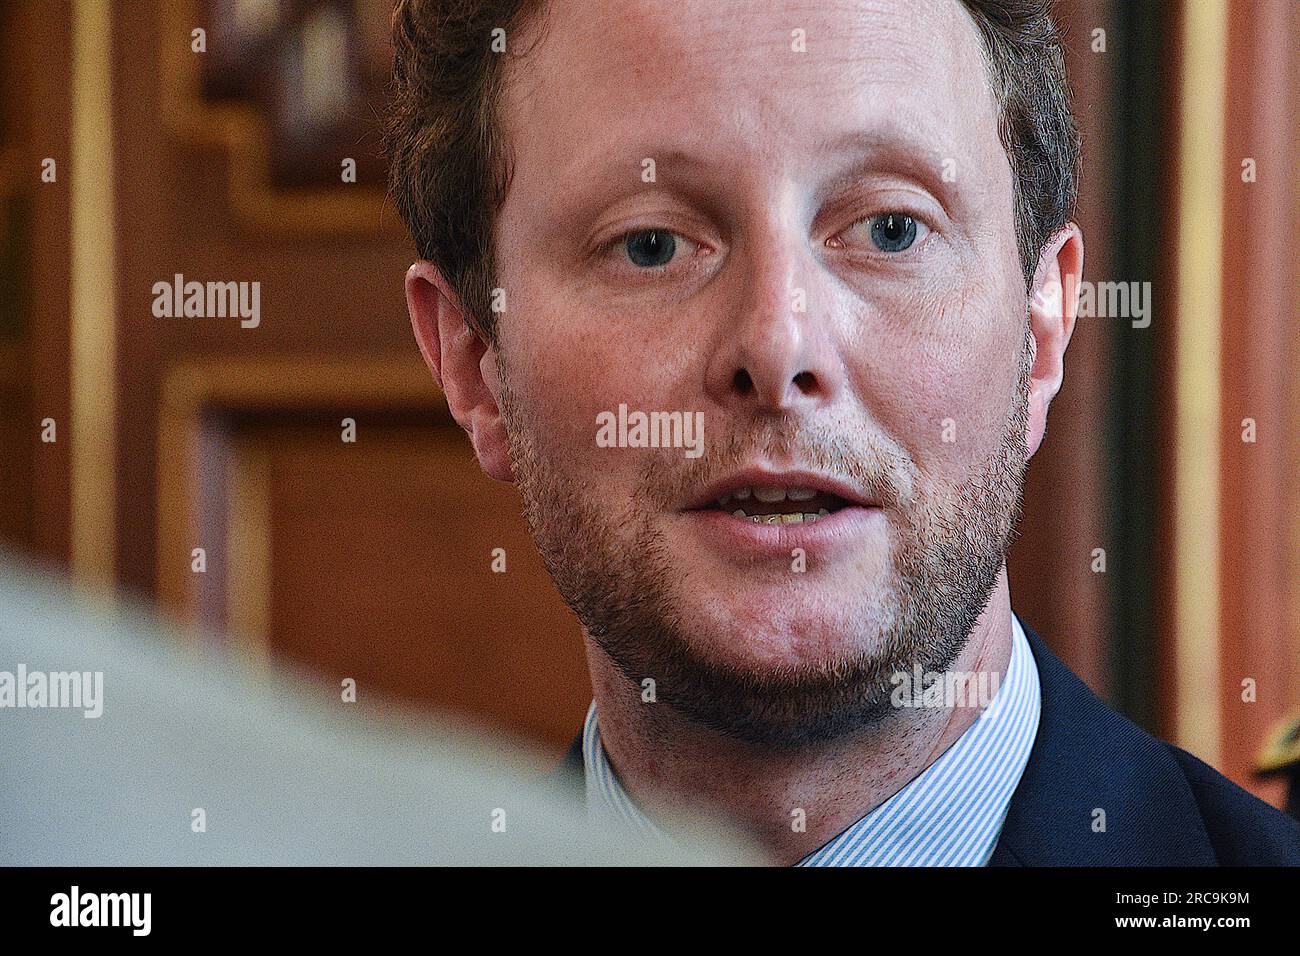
(205, 468)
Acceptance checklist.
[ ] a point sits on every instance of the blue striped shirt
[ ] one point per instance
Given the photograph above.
(948, 815)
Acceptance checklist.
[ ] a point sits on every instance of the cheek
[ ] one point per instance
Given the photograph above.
(568, 365)
(940, 380)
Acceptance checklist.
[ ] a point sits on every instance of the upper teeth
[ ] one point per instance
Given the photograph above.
(768, 495)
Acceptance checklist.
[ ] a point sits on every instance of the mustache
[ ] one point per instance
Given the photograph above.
(871, 462)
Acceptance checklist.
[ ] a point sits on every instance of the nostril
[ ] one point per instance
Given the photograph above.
(742, 382)
(806, 382)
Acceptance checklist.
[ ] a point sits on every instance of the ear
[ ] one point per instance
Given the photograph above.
(463, 363)
(1053, 308)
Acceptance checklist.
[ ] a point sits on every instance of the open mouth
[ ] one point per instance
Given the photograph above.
(760, 512)
(772, 505)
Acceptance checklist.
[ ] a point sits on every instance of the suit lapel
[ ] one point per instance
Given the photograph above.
(1098, 790)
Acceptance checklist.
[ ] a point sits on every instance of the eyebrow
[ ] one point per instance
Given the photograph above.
(597, 177)
(893, 146)
(607, 164)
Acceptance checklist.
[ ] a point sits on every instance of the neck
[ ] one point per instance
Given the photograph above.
(670, 765)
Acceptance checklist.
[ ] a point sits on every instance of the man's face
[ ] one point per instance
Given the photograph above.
(823, 261)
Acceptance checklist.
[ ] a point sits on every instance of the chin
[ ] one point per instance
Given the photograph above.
(792, 626)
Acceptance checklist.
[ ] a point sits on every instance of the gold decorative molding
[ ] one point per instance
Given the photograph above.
(92, 298)
(195, 391)
(1197, 391)
(242, 134)
(248, 551)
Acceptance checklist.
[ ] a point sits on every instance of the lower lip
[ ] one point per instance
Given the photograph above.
(845, 527)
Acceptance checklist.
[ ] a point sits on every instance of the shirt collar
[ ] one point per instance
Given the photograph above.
(948, 815)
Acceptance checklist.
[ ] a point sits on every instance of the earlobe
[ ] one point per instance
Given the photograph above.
(1053, 308)
(488, 428)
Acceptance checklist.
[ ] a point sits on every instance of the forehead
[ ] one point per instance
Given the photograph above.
(734, 81)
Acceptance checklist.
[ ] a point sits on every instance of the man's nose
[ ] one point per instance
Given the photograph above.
(775, 350)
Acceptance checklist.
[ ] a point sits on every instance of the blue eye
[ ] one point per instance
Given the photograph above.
(650, 247)
(893, 232)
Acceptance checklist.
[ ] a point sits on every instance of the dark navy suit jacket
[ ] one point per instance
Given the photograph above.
(1163, 807)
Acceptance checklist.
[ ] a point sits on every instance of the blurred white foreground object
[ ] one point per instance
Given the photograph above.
(281, 775)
